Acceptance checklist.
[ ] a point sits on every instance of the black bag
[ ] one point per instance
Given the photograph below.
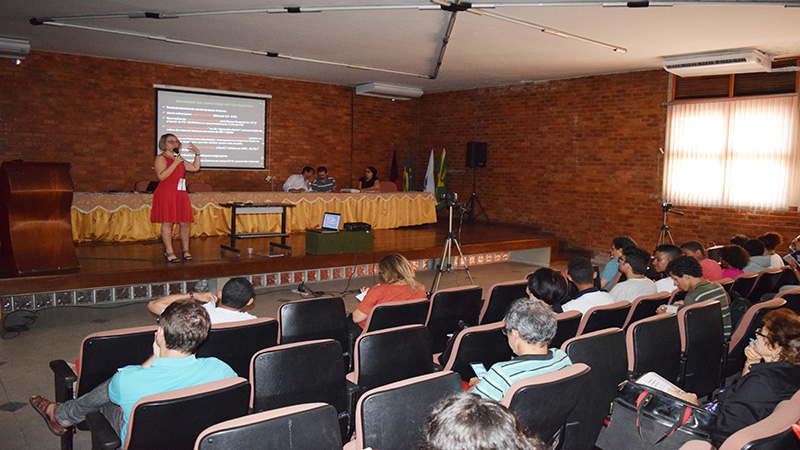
(646, 418)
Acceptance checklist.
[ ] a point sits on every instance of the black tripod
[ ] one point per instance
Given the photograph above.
(474, 202)
(445, 263)
(662, 237)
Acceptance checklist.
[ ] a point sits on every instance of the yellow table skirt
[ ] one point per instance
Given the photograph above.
(126, 217)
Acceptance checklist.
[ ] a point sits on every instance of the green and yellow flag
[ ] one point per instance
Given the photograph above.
(441, 181)
(407, 181)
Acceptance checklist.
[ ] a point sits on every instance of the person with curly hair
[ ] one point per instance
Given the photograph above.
(733, 260)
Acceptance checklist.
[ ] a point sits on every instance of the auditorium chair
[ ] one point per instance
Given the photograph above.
(702, 348)
(315, 318)
(141, 186)
(743, 284)
(392, 417)
(765, 283)
(236, 342)
(310, 426)
(499, 298)
(199, 187)
(174, 419)
(101, 354)
(645, 306)
(449, 307)
(485, 344)
(302, 372)
(774, 432)
(792, 297)
(388, 186)
(787, 278)
(396, 314)
(735, 359)
(604, 351)
(567, 324)
(654, 345)
(726, 283)
(543, 402)
(677, 296)
(604, 316)
(385, 356)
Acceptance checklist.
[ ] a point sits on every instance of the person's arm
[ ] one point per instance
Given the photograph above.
(359, 185)
(195, 165)
(377, 186)
(359, 316)
(158, 306)
(793, 264)
(162, 170)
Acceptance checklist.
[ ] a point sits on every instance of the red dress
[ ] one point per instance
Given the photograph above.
(169, 204)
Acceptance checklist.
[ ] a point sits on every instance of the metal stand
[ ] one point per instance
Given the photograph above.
(665, 233)
(474, 202)
(445, 263)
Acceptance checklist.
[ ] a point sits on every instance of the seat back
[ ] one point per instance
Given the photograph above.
(235, 343)
(771, 433)
(745, 331)
(765, 283)
(313, 318)
(175, 419)
(499, 298)
(677, 295)
(103, 353)
(543, 402)
(726, 283)
(392, 417)
(447, 308)
(393, 354)
(302, 372)
(567, 324)
(307, 426)
(141, 186)
(654, 345)
(604, 351)
(743, 284)
(388, 186)
(485, 344)
(792, 297)
(604, 316)
(701, 347)
(646, 306)
(397, 314)
(199, 187)
(787, 278)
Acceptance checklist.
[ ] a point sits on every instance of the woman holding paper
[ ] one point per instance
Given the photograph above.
(397, 283)
(171, 203)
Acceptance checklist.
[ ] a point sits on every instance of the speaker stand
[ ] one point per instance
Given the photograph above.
(474, 203)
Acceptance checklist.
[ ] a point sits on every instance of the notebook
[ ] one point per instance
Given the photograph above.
(330, 223)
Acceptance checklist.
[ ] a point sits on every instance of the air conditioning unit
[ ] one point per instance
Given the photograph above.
(14, 48)
(392, 91)
(743, 60)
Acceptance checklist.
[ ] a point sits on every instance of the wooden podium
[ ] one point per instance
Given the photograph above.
(36, 233)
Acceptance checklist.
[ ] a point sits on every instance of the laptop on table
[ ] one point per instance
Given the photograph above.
(330, 223)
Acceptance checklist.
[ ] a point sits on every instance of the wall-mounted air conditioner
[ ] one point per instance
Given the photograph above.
(392, 91)
(743, 60)
(14, 48)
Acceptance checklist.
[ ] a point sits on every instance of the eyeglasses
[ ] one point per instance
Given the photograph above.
(759, 333)
(505, 332)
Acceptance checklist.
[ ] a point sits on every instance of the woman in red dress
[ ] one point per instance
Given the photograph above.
(171, 203)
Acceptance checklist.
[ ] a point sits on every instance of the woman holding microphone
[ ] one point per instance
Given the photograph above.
(170, 201)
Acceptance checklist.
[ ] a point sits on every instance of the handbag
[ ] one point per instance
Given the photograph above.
(646, 418)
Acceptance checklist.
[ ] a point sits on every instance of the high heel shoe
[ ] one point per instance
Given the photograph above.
(171, 258)
(187, 256)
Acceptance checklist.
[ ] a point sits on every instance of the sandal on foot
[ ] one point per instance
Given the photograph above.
(187, 256)
(171, 258)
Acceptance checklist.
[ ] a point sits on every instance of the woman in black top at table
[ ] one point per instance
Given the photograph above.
(369, 182)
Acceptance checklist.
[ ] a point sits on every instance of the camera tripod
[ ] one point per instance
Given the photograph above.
(445, 263)
(665, 233)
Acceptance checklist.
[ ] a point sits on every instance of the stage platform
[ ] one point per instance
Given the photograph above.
(116, 272)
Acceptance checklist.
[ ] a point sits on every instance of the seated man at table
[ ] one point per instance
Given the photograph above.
(323, 183)
(301, 182)
(181, 329)
(530, 326)
(226, 306)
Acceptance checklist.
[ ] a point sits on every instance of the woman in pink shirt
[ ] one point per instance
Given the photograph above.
(397, 283)
(733, 259)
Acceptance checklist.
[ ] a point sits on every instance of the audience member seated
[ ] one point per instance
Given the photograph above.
(301, 182)
(226, 306)
(771, 374)
(611, 269)
(369, 182)
(795, 251)
(549, 286)
(182, 327)
(633, 264)
(581, 272)
(711, 269)
(323, 183)
(661, 257)
(466, 421)
(739, 240)
(530, 326)
(688, 276)
(733, 260)
(397, 283)
(758, 260)
(771, 241)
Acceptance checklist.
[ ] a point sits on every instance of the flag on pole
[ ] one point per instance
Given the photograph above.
(394, 177)
(407, 181)
(441, 181)
(430, 182)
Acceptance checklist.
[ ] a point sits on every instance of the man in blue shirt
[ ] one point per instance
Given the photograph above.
(530, 326)
(183, 326)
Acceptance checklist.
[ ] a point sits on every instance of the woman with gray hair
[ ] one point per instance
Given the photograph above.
(530, 326)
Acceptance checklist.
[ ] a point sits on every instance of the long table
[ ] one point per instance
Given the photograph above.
(114, 217)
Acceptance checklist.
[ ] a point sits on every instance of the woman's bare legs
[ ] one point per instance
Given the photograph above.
(185, 234)
(166, 238)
